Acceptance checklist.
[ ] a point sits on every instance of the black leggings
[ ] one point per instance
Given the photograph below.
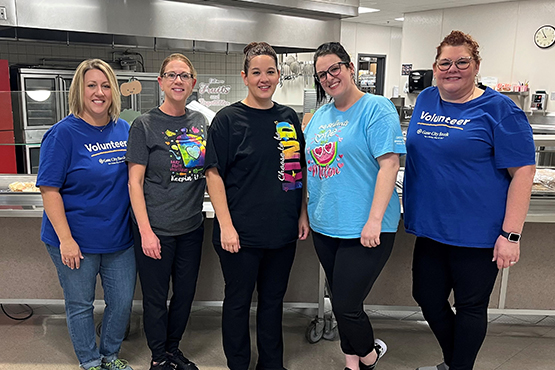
(470, 273)
(164, 327)
(351, 270)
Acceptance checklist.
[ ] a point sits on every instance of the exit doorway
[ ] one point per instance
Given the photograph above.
(371, 73)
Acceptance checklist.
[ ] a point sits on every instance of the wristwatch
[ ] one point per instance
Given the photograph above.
(512, 237)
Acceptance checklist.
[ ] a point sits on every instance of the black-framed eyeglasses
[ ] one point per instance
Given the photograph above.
(334, 70)
(462, 63)
(172, 76)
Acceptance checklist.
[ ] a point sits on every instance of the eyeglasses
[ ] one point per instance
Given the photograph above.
(334, 70)
(172, 76)
(461, 63)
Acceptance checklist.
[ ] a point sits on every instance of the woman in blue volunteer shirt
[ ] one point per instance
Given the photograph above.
(468, 178)
(352, 149)
(83, 182)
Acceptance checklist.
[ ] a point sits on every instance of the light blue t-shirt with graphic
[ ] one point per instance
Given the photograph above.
(341, 152)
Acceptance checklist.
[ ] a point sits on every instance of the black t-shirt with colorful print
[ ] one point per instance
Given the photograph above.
(259, 153)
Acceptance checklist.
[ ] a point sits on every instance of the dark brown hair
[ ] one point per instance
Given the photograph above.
(326, 49)
(255, 49)
(459, 38)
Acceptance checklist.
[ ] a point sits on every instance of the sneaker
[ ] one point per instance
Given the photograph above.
(95, 368)
(182, 362)
(164, 365)
(441, 366)
(381, 349)
(117, 364)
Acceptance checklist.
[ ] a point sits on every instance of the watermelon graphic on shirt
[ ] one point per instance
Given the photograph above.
(325, 154)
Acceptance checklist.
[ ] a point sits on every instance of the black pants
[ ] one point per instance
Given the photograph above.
(269, 270)
(351, 270)
(180, 260)
(439, 269)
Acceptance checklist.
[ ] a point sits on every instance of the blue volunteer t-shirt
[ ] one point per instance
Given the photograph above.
(456, 178)
(88, 165)
(341, 152)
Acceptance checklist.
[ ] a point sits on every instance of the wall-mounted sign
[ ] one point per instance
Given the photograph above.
(213, 93)
(407, 68)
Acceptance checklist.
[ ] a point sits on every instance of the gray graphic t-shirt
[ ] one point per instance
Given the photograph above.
(173, 151)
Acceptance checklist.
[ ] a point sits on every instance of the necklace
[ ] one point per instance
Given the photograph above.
(101, 128)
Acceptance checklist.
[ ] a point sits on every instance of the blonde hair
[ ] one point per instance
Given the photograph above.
(76, 91)
(181, 57)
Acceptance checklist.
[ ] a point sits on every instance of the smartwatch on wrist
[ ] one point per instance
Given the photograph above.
(512, 237)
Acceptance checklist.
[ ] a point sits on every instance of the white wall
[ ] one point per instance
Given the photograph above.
(505, 33)
(359, 38)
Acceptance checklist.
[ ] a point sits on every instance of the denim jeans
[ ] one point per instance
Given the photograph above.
(118, 274)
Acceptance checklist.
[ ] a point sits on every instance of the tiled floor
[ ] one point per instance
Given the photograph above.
(513, 342)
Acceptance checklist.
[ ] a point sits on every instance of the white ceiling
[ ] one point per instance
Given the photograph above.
(391, 9)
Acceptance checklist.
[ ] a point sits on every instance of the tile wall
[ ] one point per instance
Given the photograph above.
(32, 53)
(208, 65)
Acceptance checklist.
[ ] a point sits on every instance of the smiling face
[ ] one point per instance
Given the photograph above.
(97, 97)
(261, 80)
(335, 86)
(176, 91)
(455, 83)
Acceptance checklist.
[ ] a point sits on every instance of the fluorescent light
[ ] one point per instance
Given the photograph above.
(400, 19)
(362, 9)
(39, 95)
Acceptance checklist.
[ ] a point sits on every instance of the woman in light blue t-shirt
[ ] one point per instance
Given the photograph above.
(352, 149)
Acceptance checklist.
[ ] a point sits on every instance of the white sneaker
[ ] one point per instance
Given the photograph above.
(381, 349)
(441, 366)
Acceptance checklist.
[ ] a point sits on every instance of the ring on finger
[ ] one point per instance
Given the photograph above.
(512, 262)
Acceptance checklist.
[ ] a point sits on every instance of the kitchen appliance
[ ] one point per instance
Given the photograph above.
(420, 79)
(43, 100)
(539, 101)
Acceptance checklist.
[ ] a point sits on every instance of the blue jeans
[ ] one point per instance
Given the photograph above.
(118, 274)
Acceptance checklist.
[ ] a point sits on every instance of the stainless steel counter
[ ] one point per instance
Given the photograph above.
(23, 204)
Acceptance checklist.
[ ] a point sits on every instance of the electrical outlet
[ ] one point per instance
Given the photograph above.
(552, 95)
(3, 14)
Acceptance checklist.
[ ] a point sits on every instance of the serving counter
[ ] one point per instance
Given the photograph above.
(28, 275)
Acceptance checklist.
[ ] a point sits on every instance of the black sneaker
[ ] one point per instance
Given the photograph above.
(182, 362)
(381, 349)
(164, 365)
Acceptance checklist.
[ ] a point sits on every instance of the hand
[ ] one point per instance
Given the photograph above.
(370, 236)
(505, 253)
(151, 245)
(71, 253)
(304, 228)
(230, 239)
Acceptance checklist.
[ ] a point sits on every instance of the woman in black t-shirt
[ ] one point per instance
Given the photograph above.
(255, 172)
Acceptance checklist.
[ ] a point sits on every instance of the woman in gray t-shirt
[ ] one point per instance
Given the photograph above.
(165, 152)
